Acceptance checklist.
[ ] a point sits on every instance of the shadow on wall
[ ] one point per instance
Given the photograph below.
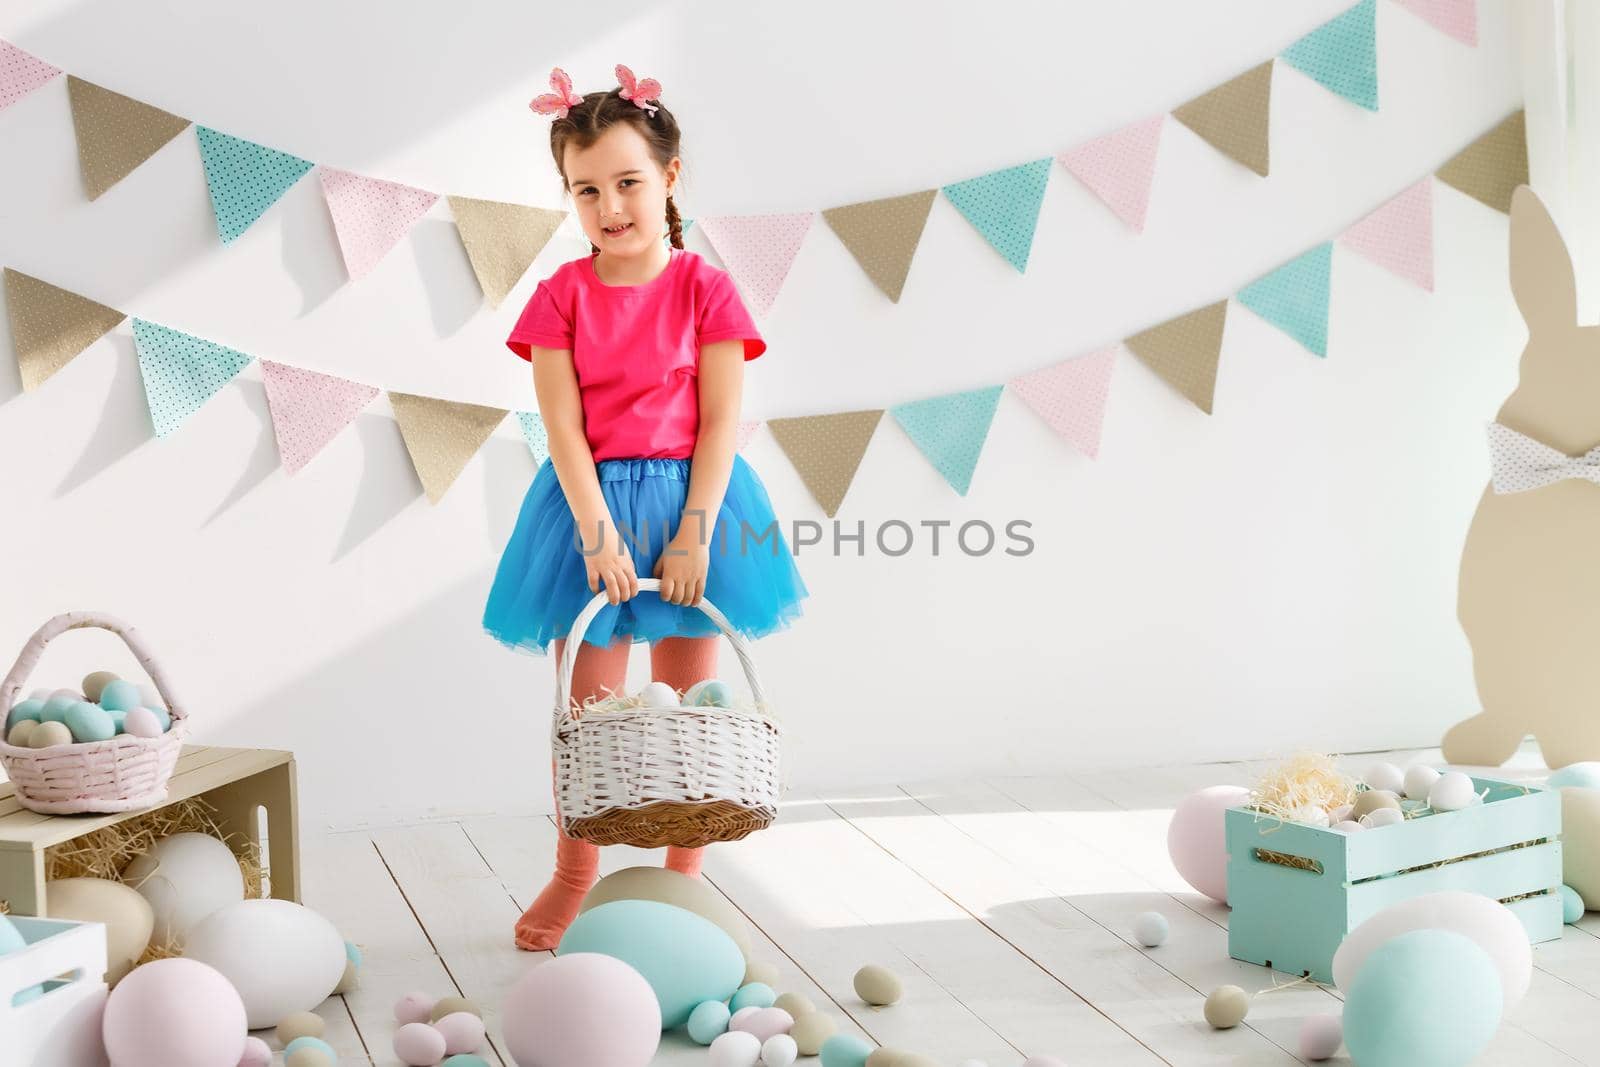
(122, 423)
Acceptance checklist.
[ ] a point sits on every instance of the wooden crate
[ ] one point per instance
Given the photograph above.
(236, 781)
(63, 1025)
(1292, 919)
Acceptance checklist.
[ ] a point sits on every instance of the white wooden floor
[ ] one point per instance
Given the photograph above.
(1003, 904)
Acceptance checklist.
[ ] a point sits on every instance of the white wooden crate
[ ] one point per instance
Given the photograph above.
(62, 1026)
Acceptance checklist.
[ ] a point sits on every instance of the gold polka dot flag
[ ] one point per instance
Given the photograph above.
(883, 235)
(1184, 351)
(50, 326)
(1232, 118)
(116, 133)
(442, 436)
(502, 240)
(826, 450)
(1491, 168)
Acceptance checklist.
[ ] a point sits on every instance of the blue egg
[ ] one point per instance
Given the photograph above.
(90, 722)
(708, 1022)
(11, 940)
(119, 719)
(311, 1042)
(686, 958)
(1427, 998)
(55, 709)
(27, 709)
(714, 694)
(1582, 775)
(464, 1059)
(352, 954)
(163, 717)
(119, 696)
(757, 994)
(1571, 905)
(847, 1050)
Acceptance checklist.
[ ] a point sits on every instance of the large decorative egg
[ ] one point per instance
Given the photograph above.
(671, 887)
(185, 877)
(1489, 923)
(1196, 841)
(580, 1010)
(684, 956)
(1586, 775)
(1580, 842)
(280, 956)
(126, 914)
(1427, 998)
(174, 1013)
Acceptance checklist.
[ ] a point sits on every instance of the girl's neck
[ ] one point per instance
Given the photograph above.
(632, 270)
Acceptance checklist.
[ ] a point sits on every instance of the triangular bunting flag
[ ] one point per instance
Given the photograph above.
(21, 74)
(1004, 206)
(370, 215)
(826, 450)
(534, 433)
(502, 240)
(1294, 297)
(950, 430)
(1342, 54)
(309, 409)
(1119, 167)
(1071, 396)
(116, 133)
(181, 372)
(1457, 18)
(743, 433)
(1399, 235)
(245, 178)
(758, 251)
(883, 235)
(686, 224)
(1234, 117)
(442, 436)
(1491, 167)
(50, 326)
(1184, 351)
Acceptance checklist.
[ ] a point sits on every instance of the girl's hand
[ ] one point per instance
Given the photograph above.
(682, 568)
(608, 561)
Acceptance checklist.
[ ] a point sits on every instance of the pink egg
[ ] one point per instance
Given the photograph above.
(414, 1008)
(742, 1014)
(1321, 1036)
(141, 722)
(257, 1053)
(463, 1032)
(764, 1023)
(1195, 838)
(419, 1045)
(582, 1008)
(174, 1013)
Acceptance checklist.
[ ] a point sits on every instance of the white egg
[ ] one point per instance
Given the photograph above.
(185, 877)
(1452, 792)
(659, 695)
(779, 1050)
(1348, 826)
(280, 956)
(1150, 928)
(1385, 776)
(736, 1049)
(1419, 779)
(1340, 814)
(1382, 817)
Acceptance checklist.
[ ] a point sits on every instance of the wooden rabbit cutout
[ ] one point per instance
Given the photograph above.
(1529, 598)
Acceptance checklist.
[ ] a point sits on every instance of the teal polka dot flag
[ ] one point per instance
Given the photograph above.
(950, 430)
(1004, 206)
(245, 178)
(1294, 298)
(181, 372)
(533, 433)
(1342, 54)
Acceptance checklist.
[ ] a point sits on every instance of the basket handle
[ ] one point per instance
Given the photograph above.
(77, 620)
(569, 655)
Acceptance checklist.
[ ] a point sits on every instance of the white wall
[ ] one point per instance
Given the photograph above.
(1280, 574)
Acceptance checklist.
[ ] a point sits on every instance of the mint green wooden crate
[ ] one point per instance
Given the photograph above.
(1292, 920)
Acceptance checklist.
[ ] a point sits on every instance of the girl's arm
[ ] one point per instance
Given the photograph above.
(686, 559)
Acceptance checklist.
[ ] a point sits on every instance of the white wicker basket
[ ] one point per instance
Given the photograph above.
(125, 773)
(650, 777)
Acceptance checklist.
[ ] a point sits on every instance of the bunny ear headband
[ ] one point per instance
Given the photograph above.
(558, 102)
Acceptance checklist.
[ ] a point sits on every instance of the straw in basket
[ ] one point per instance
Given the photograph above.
(651, 777)
(125, 773)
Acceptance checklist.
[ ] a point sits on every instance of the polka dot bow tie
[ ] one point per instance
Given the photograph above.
(1520, 463)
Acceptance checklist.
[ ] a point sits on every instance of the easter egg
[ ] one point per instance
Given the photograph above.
(1150, 929)
(306, 1041)
(714, 694)
(126, 915)
(1426, 998)
(450, 1006)
(766, 1022)
(1320, 1037)
(756, 970)
(257, 1053)
(753, 994)
(582, 1008)
(671, 887)
(1386, 777)
(298, 1024)
(352, 953)
(735, 1049)
(161, 714)
(1382, 817)
(418, 1045)
(21, 732)
(1580, 841)
(796, 1004)
(1348, 826)
(1195, 838)
(812, 1031)
(30, 710)
(280, 956)
(141, 722)
(55, 709)
(658, 695)
(779, 1050)
(1585, 775)
(49, 734)
(89, 722)
(684, 956)
(708, 1021)
(1226, 1007)
(464, 1060)
(1493, 926)
(735, 1022)
(11, 940)
(1452, 792)
(414, 1008)
(845, 1050)
(94, 684)
(174, 1012)
(309, 1056)
(119, 695)
(462, 1030)
(350, 980)
(1370, 800)
(877, 985)
(186, 877)
(1419, 779)
(150, 697)
(1571, 905)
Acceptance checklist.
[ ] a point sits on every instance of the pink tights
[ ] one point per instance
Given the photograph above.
(678, 661)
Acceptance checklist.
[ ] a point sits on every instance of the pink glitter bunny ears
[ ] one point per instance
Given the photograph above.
(558, 102)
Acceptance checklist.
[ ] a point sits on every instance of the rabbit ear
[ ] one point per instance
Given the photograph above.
(1541, 269)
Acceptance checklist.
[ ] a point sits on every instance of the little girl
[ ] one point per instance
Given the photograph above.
(638, 354)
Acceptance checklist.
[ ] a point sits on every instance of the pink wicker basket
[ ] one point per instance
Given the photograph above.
(123, 774)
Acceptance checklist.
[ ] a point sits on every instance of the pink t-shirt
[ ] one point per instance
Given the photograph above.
(636, 348)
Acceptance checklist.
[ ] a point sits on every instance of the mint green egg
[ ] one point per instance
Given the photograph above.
(27, 709)
(714, 694)
(55, 709)
(119, 719)
(845, 1050)
(755, 994)
(1582, 775)
(1427, 998)
(687, 959)
(708, 1022)
(90, 722)
(162, 716)
(1571, 905)
(119, 695)
(464, 1059)
(310, 1042)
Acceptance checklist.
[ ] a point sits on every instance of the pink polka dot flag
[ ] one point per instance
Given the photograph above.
(309, 409)
(1071, 396)
(1119, 167)
(758, 251)
(370, 215)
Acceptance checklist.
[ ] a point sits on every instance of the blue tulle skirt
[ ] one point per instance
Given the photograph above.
(540, 585)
